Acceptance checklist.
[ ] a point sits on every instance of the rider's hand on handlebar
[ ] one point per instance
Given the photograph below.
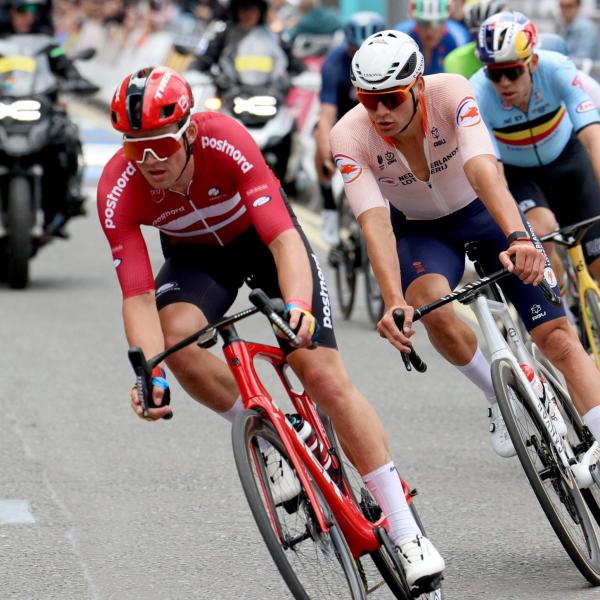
(304, 323)
(158, 388)
(528, 264)
(387, 327)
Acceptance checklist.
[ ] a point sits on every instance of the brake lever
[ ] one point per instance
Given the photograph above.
(409, 358)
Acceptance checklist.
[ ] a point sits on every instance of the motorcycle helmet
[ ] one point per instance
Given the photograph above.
(237, 5)
(361, 25)
(430, 10)
(475, 13)
(385, 60)
(506, 37)
(149, 99)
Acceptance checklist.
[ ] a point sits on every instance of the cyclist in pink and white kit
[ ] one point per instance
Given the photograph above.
(420, 144)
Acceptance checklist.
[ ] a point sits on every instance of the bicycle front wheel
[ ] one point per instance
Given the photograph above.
(552, 483)
(313, 563)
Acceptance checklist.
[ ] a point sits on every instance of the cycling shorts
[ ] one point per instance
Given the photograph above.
(567, 186)
(438, 246)
(210, 278)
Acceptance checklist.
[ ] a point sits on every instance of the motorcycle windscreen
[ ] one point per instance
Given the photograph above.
(23, 75)
(259, 59)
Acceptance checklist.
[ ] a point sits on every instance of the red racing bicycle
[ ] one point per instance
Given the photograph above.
(323, 539)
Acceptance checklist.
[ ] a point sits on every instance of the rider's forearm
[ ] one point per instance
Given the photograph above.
(142, 324)
(482, 173)
(381, 247)
(293, 266)
(590, 138)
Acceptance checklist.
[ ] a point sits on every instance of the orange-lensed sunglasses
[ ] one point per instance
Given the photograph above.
(391, 99)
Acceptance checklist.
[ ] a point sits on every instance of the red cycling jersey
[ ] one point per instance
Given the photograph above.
(232, 189)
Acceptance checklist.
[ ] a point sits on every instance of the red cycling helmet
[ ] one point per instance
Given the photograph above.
(150, 99)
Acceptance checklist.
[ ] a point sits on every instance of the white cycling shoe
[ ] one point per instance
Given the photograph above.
(423, 564)
(330, 227)
(285, 483)
(588, 463)
(501, 442)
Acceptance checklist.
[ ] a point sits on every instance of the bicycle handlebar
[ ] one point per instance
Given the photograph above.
(410, 358)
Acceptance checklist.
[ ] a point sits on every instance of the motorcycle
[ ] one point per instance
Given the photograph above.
(30, 119)
(251, 84)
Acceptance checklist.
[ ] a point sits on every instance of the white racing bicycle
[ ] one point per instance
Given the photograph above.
(557, 452)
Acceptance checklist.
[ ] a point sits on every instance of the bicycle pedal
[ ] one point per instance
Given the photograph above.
(427, 585)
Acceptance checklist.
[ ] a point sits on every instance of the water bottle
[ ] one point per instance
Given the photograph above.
(536, 382)
(309, 437)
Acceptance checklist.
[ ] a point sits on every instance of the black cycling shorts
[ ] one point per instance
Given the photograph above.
(210, 278)
(567, 186)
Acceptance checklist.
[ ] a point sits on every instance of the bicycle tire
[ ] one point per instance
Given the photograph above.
(346, 259)
(300, 551)
(561, 500)
(592, 302)
(383, 563)
(375, 304)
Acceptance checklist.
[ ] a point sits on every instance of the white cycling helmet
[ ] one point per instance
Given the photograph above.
(506, 37)
(475, 13)
(387, 59)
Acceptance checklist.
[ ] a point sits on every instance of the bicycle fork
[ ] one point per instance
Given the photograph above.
(516, 353)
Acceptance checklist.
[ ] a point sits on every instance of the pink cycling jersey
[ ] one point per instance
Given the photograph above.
(232, 190)
(374, 170)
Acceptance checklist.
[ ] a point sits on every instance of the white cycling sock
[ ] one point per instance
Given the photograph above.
(478, 372)
(384, 484)
(592, 420)
(231, 414)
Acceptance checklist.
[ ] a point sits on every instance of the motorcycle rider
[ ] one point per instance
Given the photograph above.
(337, 97)
(62, 197)
(245, 16)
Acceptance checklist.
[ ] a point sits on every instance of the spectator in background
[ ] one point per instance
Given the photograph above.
(315, 19)
(579, 32)
(434, 32)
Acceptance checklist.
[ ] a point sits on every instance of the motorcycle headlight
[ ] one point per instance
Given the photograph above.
(21, 110)
(213, 103)
(260, 106)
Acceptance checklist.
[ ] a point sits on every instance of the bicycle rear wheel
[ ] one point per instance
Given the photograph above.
(313, 563)
(345, 259)
(553, 485)
(378, 568)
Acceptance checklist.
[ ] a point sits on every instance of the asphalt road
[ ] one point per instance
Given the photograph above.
(109, 507)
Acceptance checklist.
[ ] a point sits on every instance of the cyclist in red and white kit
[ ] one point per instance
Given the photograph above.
(420, 144)
(223, 220)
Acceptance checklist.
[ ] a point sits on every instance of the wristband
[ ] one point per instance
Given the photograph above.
(298, 303)
(159, 378)
(521, 236)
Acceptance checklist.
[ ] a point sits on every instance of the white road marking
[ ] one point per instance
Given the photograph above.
(14, 512)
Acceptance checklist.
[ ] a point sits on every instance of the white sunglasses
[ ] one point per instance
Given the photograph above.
(161, 147)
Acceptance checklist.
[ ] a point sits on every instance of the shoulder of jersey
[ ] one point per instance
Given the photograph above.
(548, 58)
(117, 164)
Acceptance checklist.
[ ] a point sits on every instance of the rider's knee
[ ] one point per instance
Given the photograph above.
(443, 319)
(559, 343)
(326, 380)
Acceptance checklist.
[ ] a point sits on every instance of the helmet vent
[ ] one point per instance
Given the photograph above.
(167, 111)
(409, 67)
(134, 110)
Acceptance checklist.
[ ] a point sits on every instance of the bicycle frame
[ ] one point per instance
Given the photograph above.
(515, 352)
(240, 356)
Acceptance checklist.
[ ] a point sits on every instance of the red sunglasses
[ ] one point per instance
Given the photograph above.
(512, 72)
(391, 99)
(160, 146)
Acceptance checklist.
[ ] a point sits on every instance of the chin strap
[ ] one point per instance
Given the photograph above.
(189, 150)
(413, 113)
